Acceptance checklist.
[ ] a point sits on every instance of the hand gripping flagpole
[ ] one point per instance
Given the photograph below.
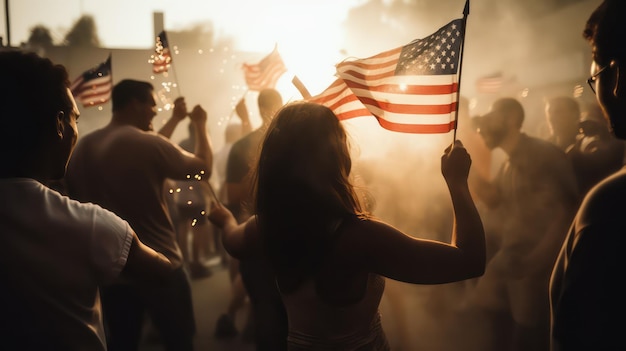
(458, 92)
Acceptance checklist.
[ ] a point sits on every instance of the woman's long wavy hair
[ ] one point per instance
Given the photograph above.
(302, 189)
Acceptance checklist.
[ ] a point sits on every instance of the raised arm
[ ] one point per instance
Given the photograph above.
(383, 249)
(203, 150)
(178, 114)
(239, 240)
(244, 116)
(201, 161)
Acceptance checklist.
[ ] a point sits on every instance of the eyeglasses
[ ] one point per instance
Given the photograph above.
(592, 80)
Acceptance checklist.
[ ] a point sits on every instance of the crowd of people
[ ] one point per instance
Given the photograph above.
(104, 232)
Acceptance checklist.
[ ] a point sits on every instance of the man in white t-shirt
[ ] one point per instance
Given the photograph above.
(54, 252)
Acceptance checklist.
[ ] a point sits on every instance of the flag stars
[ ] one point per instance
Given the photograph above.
(435, 54)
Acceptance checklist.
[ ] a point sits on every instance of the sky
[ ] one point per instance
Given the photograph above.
(129, 24)
(298, 27)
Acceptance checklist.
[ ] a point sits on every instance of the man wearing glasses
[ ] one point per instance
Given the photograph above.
(587, 303)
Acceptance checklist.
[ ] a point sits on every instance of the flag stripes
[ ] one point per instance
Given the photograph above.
(94, 86)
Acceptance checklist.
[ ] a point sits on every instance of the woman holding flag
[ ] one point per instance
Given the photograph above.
(330, 257)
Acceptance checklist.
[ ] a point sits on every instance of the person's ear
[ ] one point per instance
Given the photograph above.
(620, 81)
(60, 126)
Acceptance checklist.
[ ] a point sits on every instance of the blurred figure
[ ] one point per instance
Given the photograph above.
(474, 143)
(562, 117)
(191, 198)
(596, 153)
(329, 257)
(225, 326)
(587, 298)
(55, 252)
(269, 321)
(233, 132)
(534, 195)
(123, 167)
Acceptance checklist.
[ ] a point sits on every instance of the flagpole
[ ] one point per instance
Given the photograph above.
(110, 59)
(176, 79)
(232, 112)
(174, 71)
(458, 92)
(301, 88)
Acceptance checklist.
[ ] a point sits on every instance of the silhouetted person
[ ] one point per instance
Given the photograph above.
(587, 299)
(55, 252)
(328, 255)
(123, 167)
(597, 153)
(534, 194)
(269, 316)
(225, 326)
(233, 132)
(562, 117)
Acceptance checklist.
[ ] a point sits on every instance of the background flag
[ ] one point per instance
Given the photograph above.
(411, 89)
(266, 73)
(162, 58)
(490, 84)
(94, 86)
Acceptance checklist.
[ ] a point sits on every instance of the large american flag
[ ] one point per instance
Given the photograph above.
(265, 73)
(411, 89)
(162, 58)
(94, 86)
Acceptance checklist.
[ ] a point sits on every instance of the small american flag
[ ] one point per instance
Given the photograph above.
(266, 73)
(162, 58)
(94, 86)
(410, 89)
(490, 84)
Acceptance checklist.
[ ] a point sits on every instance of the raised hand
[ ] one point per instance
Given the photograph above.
(198, 115)
(180, 109)
(455, 163)
(219, 215)
(242, 110)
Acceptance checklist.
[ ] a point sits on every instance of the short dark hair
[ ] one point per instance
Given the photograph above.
(512, 106)
(606, 31)
(568, 102)
(128, 90)
(269, 101)
(33, 91)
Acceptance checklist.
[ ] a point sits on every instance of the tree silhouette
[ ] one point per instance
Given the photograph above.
(84, 33)
(40, 37)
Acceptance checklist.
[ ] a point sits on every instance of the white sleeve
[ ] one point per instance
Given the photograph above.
(110, 244)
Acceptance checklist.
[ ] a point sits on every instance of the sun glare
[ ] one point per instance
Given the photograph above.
(309, 38)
